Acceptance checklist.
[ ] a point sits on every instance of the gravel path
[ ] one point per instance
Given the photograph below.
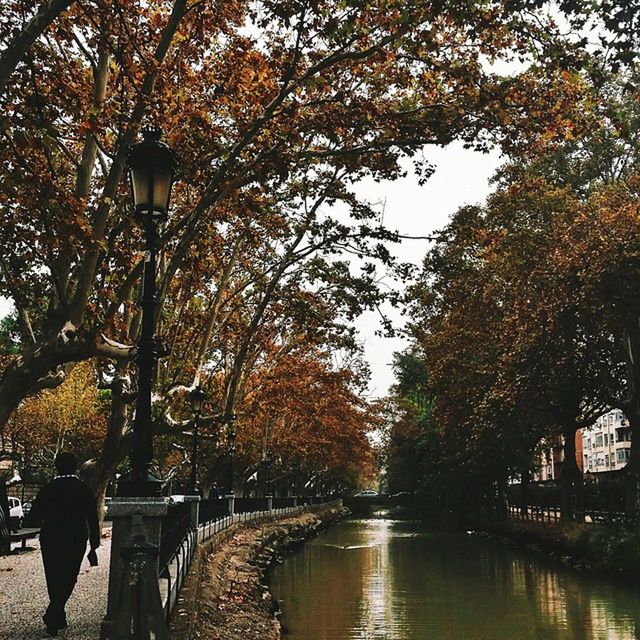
(23, 596)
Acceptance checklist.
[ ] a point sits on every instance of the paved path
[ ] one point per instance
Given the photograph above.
(23, 596)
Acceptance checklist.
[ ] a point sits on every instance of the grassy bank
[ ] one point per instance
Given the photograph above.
(603, 548)
(225, 597)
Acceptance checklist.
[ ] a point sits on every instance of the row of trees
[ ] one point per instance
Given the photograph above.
(277, 109)
(526, 315)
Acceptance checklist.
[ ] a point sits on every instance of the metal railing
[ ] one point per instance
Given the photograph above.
(282, 503)
(175, 528)
(213, 509)
(176, 565)
(175, 570)
(534, 513)
(249, 505)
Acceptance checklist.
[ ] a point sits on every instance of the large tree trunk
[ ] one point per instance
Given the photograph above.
(46, 365)
(101, 471)
(525, 481)
(213, 475)
(632, 469)
(571, 484)
(39, 368)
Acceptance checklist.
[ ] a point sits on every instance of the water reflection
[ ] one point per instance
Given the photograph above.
(382, 579)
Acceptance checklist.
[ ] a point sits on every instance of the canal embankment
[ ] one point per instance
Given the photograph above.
(225, 597)
(609, 549)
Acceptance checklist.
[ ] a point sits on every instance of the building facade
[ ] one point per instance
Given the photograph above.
(607, 443)
(604, 446)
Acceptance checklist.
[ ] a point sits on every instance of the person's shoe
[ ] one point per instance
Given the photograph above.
(53, 626)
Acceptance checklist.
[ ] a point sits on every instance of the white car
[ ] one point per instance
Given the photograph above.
(16, 514)
(369, 493)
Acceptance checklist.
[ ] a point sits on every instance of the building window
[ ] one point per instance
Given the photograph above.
(606, 460)
(623, 455)
(606, 439)
(623, 434)
(598, 439)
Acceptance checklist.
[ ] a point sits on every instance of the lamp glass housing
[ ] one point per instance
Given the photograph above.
(151, 171)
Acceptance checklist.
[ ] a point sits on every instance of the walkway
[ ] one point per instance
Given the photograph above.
(23, 596)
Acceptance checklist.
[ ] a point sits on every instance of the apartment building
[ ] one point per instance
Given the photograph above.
(607, 443)
(550, 462)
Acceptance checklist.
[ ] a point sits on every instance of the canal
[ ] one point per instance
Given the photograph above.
(378, 578)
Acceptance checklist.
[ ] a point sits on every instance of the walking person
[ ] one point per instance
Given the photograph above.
(5, 536)
(67, 513)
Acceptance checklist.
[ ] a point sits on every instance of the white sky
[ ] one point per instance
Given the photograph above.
(461, 177)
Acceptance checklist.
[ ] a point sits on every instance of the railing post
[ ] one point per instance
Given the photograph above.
(121, 511)
(138, 614)
(232, 500)
(269, 503)
(194, 509)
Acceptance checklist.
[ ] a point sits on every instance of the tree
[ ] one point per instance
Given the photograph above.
(519, 330)
(409, 431)
(277, 109)
(20, 43)
(310, 97)
(9, 336)
(72, 416)
(505, 342)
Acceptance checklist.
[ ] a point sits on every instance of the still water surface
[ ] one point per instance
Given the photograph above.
(385, 579)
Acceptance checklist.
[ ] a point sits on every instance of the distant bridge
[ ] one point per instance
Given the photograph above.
(366, 504)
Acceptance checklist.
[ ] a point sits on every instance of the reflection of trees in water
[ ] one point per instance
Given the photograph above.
(567, 605)
(444, 587)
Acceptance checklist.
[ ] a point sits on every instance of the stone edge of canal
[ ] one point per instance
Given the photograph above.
(225, 596)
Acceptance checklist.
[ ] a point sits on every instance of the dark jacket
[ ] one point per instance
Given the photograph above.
(67, 513)
(5, 537)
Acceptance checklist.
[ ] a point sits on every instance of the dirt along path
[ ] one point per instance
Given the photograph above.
(225, 597)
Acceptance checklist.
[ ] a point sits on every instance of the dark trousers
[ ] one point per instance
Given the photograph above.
(61, 567)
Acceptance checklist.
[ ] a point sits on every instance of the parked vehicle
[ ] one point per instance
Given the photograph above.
(369, 493)
(16, 514)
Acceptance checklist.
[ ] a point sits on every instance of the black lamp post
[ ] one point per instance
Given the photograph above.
(232, 454)
(196, 396)
(269, 471)
(151, 171)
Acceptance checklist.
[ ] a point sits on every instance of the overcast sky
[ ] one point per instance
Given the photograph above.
(461, 177)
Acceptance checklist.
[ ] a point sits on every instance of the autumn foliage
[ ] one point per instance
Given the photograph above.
(526, 311)
(276, 110)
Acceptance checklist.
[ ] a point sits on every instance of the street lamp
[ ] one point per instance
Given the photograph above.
(232, 452)
(196, 396)
(151, 166)
(268, 475)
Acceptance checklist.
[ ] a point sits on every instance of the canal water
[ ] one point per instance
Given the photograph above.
(383, 579)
